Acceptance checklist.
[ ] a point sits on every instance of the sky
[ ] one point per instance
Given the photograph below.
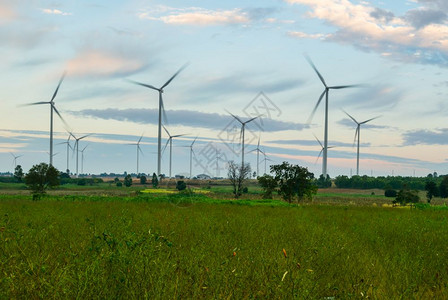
(245, 58)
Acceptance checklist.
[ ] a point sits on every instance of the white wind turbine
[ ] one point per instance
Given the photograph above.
(82, 159)
(258, 155)
(218, 157)
(243, 127)
(68, 150)
(52, 108)
(322, 148)
(161, 111)
(139, 150)
(357, 136)
(170, 141)
(191, 155)
(76, 148)
(15, 157)
(265, 159)
(324, 93)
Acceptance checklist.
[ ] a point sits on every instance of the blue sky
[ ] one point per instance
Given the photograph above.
(236, 50)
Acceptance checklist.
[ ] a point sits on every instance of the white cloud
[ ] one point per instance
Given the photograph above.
(303, 35)
(50, 11)
(359, 25)
(197, 16)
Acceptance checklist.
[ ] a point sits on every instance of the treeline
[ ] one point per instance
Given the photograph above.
(381, 182)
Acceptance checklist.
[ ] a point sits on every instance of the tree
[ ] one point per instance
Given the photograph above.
(127, 180)
(40, 177)
(238, 175)
(324, 182)
(405, 196)
(294, 180)
(443, 188)
(431, 190)
(143, 179)
(154, 180)
(18, 173)
(268, 184)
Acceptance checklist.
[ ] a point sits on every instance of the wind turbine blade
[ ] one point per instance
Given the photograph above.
(165, 118)
(238, 119)
(84, 136)
(194, 141)
(140, 150)
(166, 130)
(57, 89)
(344, 86)
(35, 103)
(166, 145)
(318, 141)
(143, 84)
(84, 148)
(315, 107)
(250, 120)
(140, 139)
(320, 153)
(315, 69)
(178, 135)
(258, 145)
(356, 134)
(354, 120)
(57, 112)
(12, 154)
(369, 120)
(174, 76)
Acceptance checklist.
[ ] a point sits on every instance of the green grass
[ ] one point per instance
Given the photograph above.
(163, 246)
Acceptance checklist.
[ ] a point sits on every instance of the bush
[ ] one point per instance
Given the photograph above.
(181, 185)
(143, 179)
(119, 184)
(245, 190)
(405, 196)
(154, 180)
(128, 180)
(268, 184)
(390, 193)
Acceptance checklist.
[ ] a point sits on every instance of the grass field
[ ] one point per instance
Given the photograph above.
(178, 246)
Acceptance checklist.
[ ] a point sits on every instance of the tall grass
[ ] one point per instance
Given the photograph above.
(122, 249)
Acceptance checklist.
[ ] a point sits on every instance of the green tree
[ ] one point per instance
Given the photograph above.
(154, 180)
(323, 182)
(40, 177)
(405, 196)
(268, 184)
(294, 180)
(127, 180)
(238, 175)
(431, 190)
(143, 179)
(18, 173)
(443, 188)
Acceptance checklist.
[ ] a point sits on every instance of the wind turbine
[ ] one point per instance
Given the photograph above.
(322, 148)
(265, 159)
(138, 150)
(218, 158)
(243, 127)
(324, 93)
(357, 136)
(170, 140)
(52, 108)
(82, 159)
(76, 148)
(161, 110)
(191, 155)
(258, 154)
(15, 159)
(68, 147)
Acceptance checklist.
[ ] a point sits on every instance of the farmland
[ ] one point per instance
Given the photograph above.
(107, 242)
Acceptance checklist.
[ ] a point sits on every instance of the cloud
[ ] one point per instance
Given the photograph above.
(422, 17)
(349, 123)
(97, 63)
(426, 137)
(197, 16)
(303, 35)
(7, 14)
(378, 98)
(50, 11)
(189, 118)
(372, 29)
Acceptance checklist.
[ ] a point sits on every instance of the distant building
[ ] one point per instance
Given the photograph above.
(203, 177)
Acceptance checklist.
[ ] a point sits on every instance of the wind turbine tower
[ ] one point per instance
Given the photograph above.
(243, 127)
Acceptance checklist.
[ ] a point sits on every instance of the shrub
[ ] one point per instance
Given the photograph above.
(405, 196)
(181, 185)
(128, 180)
(42, 176)
(268, 184)
(143, 179)
(390, 193)
(119, 184)
(154, 180)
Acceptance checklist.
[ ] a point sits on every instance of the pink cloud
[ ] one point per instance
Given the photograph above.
(96, 63)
